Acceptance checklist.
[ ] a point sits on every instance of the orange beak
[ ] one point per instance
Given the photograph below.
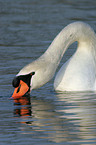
(21, 90)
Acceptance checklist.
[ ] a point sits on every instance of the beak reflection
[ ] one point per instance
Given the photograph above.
(22, 106)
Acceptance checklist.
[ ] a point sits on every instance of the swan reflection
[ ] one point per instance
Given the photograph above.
(70, 117)
(22, 106)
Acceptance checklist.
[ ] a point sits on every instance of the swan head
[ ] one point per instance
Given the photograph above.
(22, 85)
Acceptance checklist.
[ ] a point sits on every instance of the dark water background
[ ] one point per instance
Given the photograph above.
(26, 30)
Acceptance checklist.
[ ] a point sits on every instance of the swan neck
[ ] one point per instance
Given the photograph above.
(46, 65)
(77, 31)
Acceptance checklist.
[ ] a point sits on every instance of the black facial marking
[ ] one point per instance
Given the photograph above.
(16, 82)
(24, 78)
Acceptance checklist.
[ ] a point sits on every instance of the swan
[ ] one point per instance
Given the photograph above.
(77, 74)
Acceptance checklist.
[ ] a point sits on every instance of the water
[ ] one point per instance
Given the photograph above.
(26, 30)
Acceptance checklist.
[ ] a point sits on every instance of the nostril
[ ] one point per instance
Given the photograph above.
(18, 89)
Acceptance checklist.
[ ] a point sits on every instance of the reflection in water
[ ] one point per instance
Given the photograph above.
(80, 109)
(70, 117)
(22, 106)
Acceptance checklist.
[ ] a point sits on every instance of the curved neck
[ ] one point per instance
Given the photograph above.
(46, 65)
(77, 31)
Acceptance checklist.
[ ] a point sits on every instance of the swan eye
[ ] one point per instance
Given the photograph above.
(33, 73)
(16, 82)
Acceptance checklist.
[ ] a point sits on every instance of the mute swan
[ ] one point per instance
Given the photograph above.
(77, 74)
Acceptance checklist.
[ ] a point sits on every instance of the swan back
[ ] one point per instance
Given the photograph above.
(78, 73)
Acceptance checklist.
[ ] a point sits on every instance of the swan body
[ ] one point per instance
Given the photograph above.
(79, 72)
